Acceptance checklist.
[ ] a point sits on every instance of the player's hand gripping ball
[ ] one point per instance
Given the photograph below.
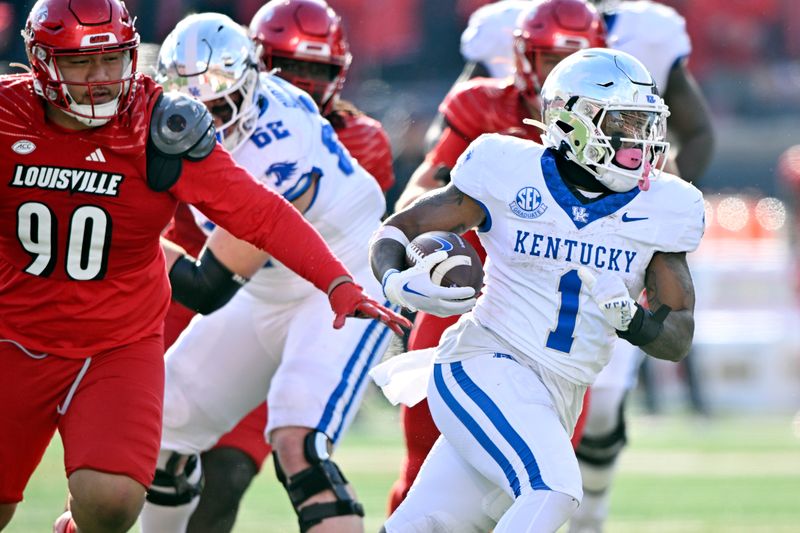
(437, 278)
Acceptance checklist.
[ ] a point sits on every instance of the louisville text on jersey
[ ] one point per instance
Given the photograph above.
(66, 179)
(573, 251)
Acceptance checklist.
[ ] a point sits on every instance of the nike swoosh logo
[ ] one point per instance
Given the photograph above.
(443, 244)
(626, 218)
(412, 291)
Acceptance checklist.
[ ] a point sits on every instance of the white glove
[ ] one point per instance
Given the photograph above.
(413, 289)
(611, 295)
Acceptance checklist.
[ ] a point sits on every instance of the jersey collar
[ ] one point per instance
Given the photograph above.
(581, 214)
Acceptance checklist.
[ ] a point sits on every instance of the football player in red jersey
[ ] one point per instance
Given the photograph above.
(95, 159)
(305, 41)
(546, 34)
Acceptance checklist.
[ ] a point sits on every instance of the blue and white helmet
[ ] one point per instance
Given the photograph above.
(208, 56)
(601, 108)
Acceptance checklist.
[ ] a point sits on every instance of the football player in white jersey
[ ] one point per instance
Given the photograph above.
(656, 35)
(653, 33)
(572, 230)
(272, 339)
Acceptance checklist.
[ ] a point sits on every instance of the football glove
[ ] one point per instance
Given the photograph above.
(349, 300)
(611, 296)
(413, 289)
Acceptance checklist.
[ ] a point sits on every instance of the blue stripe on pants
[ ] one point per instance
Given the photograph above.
(476, 430)
(338, 392)
(502, 425)
(370, 360)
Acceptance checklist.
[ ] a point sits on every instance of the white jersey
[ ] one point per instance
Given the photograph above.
(293, 143)
(489, 37)
(537, 233)
(653, 33)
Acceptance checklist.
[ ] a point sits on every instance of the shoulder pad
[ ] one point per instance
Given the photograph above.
(182, 127)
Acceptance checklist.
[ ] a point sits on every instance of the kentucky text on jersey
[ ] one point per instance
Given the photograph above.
(67, 179)
(573, 251)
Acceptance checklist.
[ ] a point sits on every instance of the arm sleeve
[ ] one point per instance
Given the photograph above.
(233, 199)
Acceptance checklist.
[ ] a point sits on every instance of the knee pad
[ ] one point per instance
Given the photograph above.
(602, 450)
(174, 486)
(323, 474)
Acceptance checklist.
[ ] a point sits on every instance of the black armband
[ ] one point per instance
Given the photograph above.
(204, 285)
(645, 326)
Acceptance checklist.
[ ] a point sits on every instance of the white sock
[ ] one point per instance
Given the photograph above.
(163, 519)
(539, 511)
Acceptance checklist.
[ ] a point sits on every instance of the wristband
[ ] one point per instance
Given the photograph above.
(645, 326)
(387, 231)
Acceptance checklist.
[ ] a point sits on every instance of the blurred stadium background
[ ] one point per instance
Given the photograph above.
(720, 455)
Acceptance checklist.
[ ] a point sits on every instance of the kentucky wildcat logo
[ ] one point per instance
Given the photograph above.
(282, 171)
(528, 203)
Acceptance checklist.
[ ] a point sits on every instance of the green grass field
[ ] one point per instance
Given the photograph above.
(679, 475)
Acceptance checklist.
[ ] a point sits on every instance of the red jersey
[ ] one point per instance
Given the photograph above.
(478, 106)
(367, 142)
(81, 267)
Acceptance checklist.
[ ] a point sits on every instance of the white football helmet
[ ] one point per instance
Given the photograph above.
(209, 57)
(601, 109)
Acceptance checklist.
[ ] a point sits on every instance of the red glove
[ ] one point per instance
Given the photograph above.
(348, 299)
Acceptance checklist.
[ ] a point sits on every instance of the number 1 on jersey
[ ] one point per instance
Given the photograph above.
(570, 288)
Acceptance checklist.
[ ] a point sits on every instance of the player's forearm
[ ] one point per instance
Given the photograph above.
(297, 244)
(386, 254)
(675, 339)
(284, 234)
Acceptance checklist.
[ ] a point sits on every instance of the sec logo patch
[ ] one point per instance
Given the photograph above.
(528, 203)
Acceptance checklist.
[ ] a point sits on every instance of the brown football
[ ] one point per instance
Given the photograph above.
(462, 268)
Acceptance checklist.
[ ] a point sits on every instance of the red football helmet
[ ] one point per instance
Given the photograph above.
(306, 41)
(548, 33)
(81, 27)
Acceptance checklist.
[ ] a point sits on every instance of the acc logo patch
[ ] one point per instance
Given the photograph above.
(528, 203)
(23, 147)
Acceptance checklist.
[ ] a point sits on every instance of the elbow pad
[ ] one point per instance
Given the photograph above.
(204, 285)
(645, 326)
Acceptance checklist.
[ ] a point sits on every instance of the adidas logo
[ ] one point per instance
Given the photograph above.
(97, 156)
